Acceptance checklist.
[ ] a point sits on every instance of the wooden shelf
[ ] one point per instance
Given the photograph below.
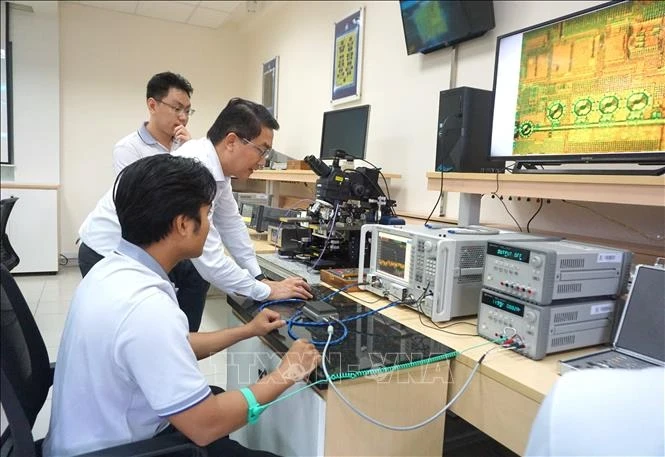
(632, 190)
(307, 176)
(15, 185)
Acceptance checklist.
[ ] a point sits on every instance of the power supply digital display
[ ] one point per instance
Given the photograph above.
(508, 252)
(503, 304)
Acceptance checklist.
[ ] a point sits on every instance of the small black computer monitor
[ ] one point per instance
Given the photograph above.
(345, 129)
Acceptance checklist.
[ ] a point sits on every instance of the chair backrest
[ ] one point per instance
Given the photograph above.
(6, 205)
(25, 370)
(8, 256)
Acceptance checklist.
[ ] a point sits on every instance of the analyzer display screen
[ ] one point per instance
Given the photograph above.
(503, 304)
(394, 255)
(508, 252)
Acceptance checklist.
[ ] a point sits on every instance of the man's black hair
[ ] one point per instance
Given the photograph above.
(159, 85)
(242, 117)
(151, 192)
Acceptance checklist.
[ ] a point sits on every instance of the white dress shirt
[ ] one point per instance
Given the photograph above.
(101, 232)
(602, 412)
(227, 226)
(125, 363)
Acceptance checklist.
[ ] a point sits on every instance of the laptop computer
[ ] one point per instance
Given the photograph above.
(640, 337)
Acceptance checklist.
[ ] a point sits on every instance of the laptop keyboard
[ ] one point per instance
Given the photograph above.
(616, 360)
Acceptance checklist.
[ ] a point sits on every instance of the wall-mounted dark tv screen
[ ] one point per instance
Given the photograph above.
(585, 88)
(432, 25)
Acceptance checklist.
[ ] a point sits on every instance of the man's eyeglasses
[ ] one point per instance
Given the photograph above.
(264, 153)
(189, 112)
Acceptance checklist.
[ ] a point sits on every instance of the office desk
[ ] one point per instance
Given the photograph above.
(315, 422)
(505, 394)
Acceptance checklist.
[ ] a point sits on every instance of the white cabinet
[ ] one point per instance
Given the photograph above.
(33, 228)
(293, 427)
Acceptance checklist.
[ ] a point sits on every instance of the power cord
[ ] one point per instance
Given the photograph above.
(534, 215)
(358, 374)
(436, 326)
(331, 230)
(399, 428)
(495, 194)
(626, 226)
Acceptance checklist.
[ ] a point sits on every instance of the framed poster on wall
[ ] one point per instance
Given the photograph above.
(347, 58)
(270, 82)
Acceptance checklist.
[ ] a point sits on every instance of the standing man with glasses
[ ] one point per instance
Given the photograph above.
(168, 100)
(238, 142)
(169, 107)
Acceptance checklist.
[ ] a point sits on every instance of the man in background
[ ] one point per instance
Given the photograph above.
(238, 142)
(168, 100)
(169, 107)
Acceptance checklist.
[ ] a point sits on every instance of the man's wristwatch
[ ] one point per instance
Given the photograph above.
(260, 277)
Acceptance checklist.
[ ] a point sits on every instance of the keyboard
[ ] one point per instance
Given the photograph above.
(616, 360)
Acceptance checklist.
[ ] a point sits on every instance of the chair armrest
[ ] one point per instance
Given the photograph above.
(158, 445)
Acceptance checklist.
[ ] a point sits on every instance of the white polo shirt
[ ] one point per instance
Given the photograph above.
(137, 145)
(125, 363)
(602, 412)
(101, 232)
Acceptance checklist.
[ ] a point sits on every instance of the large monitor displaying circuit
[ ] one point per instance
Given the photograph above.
(394, 255)
(345, 129)
(588, 87)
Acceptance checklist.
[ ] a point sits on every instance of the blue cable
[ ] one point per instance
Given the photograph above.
(348, 319)
(292, 322)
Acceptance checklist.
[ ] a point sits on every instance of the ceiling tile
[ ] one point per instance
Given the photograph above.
(169, 11)
(208, 18)
(122, 6)
(227, 6)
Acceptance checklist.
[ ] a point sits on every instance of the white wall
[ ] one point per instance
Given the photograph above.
(36, 92)
(403, 93)
(402, 90)
(80, 75)
(107, 59)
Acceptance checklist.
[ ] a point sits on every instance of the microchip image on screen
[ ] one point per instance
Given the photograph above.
(590, 84)
(394, 255)
(430, 25)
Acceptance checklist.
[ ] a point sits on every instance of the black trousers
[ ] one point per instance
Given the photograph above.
(223, 447)
(191, 287)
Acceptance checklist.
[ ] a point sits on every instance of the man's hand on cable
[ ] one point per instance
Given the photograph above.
(301, 359)
(289, 288)
(265, 322)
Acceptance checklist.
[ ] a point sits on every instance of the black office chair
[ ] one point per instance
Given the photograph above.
(26, 377)
(8, 256)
